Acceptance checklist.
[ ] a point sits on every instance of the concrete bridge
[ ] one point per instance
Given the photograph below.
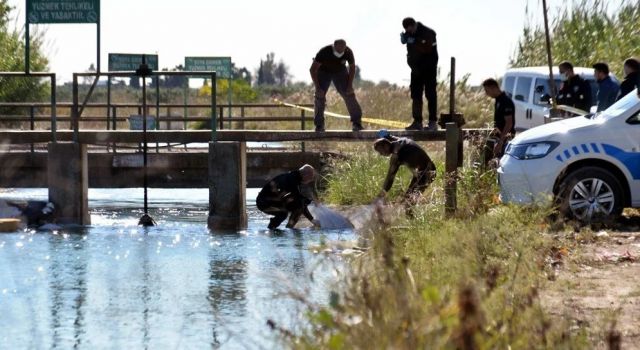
(68, 168)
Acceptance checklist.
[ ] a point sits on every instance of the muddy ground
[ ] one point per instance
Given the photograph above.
(597, 281)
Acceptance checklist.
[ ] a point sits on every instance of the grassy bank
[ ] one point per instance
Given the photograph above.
(471, 281)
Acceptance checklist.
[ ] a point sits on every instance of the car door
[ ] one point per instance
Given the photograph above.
(539, 106)
(632, 136)
(522, 100)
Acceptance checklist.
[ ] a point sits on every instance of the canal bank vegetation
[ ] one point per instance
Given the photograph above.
(470, 281)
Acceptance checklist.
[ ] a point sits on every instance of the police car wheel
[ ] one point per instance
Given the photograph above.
(590, 195)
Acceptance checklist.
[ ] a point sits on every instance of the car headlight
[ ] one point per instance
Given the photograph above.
(531, 150)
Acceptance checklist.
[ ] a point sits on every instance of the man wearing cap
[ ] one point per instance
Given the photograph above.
(282, 196)
(422, 58)
(607, 88)
(329, 66)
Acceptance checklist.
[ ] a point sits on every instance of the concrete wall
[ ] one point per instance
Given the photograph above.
(166, 170)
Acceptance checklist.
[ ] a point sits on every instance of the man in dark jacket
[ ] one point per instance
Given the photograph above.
(632, 77)
(607, 88)
(282, 195)
(404, 151)
(422, 57)
(575, 91)
(504, 121)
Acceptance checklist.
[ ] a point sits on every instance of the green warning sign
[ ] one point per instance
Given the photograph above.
(221, 65)
(63, 11)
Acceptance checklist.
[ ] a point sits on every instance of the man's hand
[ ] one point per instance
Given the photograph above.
(497, 149)
(403, 38)
(350, 90)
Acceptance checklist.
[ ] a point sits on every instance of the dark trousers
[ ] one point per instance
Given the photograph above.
(421, 180)
(280, 209)
(340, 80)
(424, 80)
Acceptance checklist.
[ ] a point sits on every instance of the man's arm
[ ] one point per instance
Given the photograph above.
(352, 75)
(504, 133)
(394, 165)
(315, 66)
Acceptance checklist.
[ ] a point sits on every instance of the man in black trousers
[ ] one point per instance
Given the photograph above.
(422, 57)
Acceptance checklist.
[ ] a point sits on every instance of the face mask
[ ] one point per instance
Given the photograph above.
(338, 54)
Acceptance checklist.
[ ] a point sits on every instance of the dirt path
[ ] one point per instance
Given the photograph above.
(599, 281)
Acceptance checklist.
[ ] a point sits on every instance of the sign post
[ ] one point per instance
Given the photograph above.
(61, 11)
(222, 67)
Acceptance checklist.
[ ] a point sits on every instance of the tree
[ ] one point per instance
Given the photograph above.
(270, 73)
(173, 81)
(584, 34)
(12, 60)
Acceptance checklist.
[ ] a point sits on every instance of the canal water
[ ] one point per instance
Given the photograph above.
(116, 285)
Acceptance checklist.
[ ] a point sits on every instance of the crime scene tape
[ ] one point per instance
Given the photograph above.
(376, 121)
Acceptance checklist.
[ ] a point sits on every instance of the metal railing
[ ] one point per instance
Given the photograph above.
(35, 112)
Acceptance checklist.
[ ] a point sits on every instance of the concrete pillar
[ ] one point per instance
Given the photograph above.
(68, 180)
(227, 186)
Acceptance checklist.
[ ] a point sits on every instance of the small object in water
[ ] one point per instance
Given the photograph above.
(9, 225)
(146, 221)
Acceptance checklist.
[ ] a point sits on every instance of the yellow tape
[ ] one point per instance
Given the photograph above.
(376, 121)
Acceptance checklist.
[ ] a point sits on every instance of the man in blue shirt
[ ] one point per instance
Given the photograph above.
(607, 88)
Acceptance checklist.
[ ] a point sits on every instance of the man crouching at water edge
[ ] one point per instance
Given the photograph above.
(404, 151)
(282, 195)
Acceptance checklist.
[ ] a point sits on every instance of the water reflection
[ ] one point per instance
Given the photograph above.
(116, 285)
(68, 287)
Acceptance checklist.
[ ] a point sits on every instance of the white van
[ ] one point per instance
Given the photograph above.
(527, 86)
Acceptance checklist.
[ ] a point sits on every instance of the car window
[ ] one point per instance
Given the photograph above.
(509, 85)
(542, 88)
(523, 88)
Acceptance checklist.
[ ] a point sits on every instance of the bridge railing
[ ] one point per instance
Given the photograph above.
(113, 116)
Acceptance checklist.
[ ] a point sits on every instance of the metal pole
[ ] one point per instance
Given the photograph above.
(144, 141)
(98, 48)
(229, 102)
(302, 127)
(54, 114)
(32, 111)
(186, 100)
(74, 108)
(157, 110)
(27, 40)
(451, 169)
(108, 101)
(214, 116)
(552, 82)
(452, 88)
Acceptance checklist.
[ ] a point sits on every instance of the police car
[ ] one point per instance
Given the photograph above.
(588, 165)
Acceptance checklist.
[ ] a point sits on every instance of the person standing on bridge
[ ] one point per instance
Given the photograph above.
(282, 196)
(404, 151)
(329, 66)
(422, 58)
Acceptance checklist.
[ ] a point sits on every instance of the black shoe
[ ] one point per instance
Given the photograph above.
(320, 128)
(414, 126)
(433, 126)
(356, 127)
